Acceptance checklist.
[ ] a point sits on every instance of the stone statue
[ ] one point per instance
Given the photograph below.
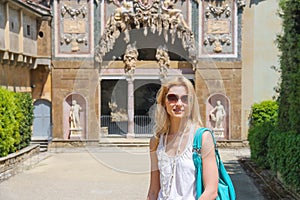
(163, 59)
(130, 58)
(117, 114)
(74, 116)
(217, 114)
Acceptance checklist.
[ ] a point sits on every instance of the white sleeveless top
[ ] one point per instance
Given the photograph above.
(183, 184)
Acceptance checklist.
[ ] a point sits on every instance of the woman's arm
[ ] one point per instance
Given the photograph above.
(154, 175)
(209, 168)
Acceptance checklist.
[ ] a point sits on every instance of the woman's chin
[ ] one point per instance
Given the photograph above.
(178, 114)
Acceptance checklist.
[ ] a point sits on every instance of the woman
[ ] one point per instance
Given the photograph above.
(172, 168)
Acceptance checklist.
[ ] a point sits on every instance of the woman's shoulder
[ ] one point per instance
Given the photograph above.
(154, 140)
(206, 133)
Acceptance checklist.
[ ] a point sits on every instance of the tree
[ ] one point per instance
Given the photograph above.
(289, 45)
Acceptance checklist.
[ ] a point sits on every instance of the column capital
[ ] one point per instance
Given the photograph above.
(130, 78)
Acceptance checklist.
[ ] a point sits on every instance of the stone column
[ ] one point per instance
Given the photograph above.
(130, 107)
(99, 106)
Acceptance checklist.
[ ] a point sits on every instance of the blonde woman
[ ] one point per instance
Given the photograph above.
(172, 168)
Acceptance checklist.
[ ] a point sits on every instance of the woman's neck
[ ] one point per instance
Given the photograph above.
(176, 125)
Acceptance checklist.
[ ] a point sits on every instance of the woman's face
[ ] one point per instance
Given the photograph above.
(176, 101)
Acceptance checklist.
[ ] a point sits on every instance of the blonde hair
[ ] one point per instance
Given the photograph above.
(162, 120)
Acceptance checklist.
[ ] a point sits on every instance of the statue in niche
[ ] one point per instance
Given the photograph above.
(217, 114)
(117, 114)
(74, 116)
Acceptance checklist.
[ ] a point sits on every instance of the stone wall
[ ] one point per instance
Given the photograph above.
(15, 78)
(17, 162)
(80, 79)
(221, 78)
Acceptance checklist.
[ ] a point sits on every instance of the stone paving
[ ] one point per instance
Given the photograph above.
(104, 173)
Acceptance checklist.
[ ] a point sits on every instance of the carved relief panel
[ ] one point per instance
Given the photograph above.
(74, 27)
(218, 32)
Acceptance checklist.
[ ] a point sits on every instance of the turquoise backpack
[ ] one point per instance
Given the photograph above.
(225, 187)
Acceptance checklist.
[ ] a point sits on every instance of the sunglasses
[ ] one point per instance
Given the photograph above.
(173, 98)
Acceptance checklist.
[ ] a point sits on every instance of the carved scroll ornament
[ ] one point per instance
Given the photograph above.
(217, 11)
(217, 42)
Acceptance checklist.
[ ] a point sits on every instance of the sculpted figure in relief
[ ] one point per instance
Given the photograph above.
(130, 58)
(174, 14)
(163, 59)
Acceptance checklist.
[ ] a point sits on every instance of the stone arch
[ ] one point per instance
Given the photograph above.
(157, 17)
(67, 103)
(213, 110)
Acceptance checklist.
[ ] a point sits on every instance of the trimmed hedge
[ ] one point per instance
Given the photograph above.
(284, 157)
(24, 116)
(263, 120)
(16, 118)
(273, 148)
(258, 138)
(265, 111)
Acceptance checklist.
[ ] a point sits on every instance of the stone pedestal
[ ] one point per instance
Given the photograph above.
(75, 133)
(219, 133)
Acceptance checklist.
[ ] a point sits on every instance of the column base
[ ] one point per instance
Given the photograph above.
(130, 135)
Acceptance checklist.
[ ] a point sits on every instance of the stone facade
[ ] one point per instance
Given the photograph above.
(24, 46)
(70, 78)
(221, 78)
(87, 45)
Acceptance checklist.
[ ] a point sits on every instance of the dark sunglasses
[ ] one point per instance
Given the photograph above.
(173, 98)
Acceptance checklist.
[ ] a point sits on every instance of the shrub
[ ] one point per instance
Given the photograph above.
(284, 157)
(24, 117)
(258, 137)
(262, 122)
(16, 118)
(266, 111)
(9, 134)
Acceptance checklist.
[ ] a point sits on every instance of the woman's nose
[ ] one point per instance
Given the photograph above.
(179, 102)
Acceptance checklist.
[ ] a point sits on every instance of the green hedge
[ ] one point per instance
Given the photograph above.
(265, 111)
(24, 116)
(262, 122)
(284, 157)
(289, 46)
(271, 147)
(16, 117)
(258, 138)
